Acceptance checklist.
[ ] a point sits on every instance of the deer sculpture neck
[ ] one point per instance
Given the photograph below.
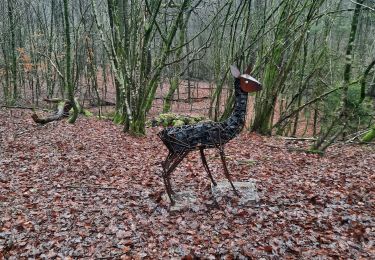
(237, 118)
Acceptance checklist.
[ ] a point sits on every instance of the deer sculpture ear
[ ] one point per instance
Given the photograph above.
(235, 71)
(248, 70)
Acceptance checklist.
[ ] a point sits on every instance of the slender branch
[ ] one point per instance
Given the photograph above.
(53, 64)
(195, 51)
(365, 6)
(305, 105)
(202, 31)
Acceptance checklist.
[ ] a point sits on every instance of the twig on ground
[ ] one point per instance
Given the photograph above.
(275, 146)
(22, 132)
(298, 138)
(85, 187)
(356, 135)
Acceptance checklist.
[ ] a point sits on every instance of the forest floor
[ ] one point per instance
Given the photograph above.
(91, 191)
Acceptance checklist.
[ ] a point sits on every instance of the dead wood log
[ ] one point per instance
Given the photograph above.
(101, 102)
(62, 111)
(55, 100)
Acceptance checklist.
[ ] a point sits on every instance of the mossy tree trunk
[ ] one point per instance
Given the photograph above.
(280, 60)
(345, 111)
(7, 85)
(137, 77)
(68, 65)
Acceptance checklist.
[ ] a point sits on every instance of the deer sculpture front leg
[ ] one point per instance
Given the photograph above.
(220, 147)
(205, 165)
(226, 172)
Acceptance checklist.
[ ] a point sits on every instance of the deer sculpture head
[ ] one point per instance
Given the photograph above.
(248, 84)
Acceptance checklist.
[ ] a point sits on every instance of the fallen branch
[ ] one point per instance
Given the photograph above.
(23, 132)
(356, 135)
(295, 149)
(310, 151)
(275, 146)
(101, 103)
(299, 138)
(63, 109)
(55, 100)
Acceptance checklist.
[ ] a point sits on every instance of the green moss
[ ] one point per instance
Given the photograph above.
(178, 122)
(196, 119)
(104, 117)
(170, 119)
(118, 119)
(315, 151)
(369, 136)
(248, 162)
(166, 119)
(87, 113)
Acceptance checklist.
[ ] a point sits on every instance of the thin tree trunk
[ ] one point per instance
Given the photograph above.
(13, 50)
(68, 66)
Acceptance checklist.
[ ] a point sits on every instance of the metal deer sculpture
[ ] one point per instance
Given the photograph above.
(184, 139)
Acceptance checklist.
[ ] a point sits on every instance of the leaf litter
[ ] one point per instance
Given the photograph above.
(91, 191)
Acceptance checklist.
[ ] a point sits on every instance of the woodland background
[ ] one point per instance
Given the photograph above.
(92, 188)
(314, 58)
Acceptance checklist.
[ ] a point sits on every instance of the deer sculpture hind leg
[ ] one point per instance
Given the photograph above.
(205, 165)
(165, 165)
(169, 165)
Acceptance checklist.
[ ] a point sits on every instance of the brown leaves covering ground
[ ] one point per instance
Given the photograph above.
(91, 191)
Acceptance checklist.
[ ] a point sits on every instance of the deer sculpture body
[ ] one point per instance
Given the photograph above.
(184, 139)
